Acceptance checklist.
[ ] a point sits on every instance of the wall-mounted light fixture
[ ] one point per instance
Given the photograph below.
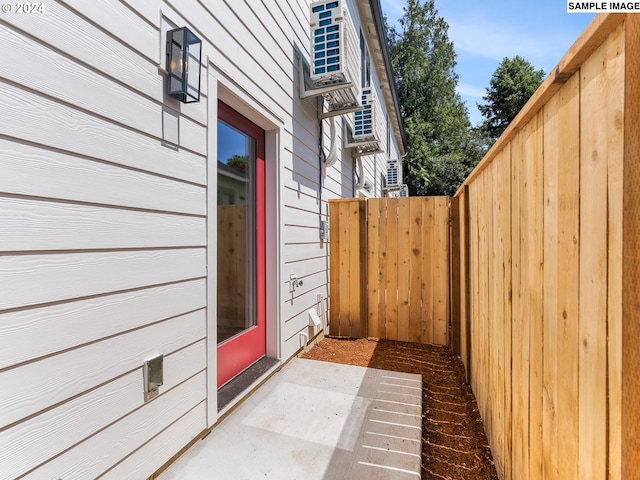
(184, 54)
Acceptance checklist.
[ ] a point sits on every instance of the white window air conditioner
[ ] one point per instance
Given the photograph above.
(394, 175)
(404, 190)
(335, 54)
(369, 129)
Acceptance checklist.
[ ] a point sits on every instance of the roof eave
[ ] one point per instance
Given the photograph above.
(382, 59)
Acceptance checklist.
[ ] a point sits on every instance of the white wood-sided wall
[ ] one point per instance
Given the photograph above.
(107, 188)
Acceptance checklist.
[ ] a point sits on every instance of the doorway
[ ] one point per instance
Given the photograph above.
(241, 264)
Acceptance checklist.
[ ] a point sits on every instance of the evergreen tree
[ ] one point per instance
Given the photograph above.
(441, 147)
(511, 85)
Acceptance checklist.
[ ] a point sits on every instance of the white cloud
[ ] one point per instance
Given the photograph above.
(491, 41)
(467, 90)
(495, 37)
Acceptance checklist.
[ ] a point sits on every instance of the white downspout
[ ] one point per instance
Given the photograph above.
(360, 183)
(332, 158)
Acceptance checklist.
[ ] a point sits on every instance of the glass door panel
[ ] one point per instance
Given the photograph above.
(240, 266)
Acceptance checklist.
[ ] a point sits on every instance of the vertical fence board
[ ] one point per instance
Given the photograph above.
(465, 276)
(550, 285)
(356, 279)
(593, 264)
(483, 290)
(499, 203)
(508, 312)
(441, 271)
(392, 269)
(404, 270)
(550, 292)
(615, 154)
(520, 333)
(473, 284)
(454, 281)
(417, 231)
(383, 263)
(345, 275)
(535, 288)
(568, 272)
(334, 269)
(427, 314)
(341, 323)
(373, 268)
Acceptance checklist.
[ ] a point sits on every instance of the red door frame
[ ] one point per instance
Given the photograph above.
(239, 352)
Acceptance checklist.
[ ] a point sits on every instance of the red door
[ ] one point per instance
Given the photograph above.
(241, 244)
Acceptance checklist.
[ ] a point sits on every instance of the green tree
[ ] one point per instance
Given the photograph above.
(441, 150)
(511, 85)
(238, 162)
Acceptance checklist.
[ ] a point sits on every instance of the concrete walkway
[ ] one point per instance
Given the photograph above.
(316, 421)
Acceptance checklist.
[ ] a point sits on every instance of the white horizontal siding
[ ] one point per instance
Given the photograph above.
(65, 31)
(224, 37)
(101, 451)
(40, 278)
(99, 95)
(56, 430)
(148, 9)
(308, 234)
(160, 449)
(38, 172)
(40, 120)
(122, 23)
(37, 225)
(34, 441)
(297, 214)
(34, 387)
(104, 241)
(300, 251)
(36, 332)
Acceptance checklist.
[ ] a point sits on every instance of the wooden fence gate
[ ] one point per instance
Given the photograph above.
(389, 260)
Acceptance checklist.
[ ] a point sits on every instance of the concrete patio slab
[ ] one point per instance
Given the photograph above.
(316, 421)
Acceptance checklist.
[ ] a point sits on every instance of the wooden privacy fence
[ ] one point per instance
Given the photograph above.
(390, 268)
(546, 248)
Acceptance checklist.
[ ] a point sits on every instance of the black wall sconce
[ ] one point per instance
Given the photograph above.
(184, 54)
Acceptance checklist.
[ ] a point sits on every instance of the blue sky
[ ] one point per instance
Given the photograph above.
(485, 31)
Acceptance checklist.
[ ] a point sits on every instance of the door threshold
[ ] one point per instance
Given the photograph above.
(237, 386)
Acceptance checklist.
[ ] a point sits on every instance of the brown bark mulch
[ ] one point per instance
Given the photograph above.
(454, 445)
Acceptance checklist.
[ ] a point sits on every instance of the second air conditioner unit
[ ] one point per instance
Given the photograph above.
(369, 126)
(335, 54)
(394, 175)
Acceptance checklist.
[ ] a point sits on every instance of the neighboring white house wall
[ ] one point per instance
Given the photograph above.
(106, 199)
